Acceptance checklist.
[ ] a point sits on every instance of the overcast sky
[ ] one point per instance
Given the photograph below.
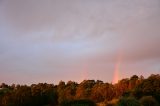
(53, 40)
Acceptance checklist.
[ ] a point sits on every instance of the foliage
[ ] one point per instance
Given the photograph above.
(43, 94)
(103, 91)
(82, 102)
(129, 101)
(148, 101)
(113, 102)
(84, 89)
(149, 87)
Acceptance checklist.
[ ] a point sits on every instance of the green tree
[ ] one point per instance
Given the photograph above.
(61, 91)
(149, 87)
(134, 80)
(44, 94)
(22, 96)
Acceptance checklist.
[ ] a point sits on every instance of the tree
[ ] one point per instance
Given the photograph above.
(133, 81)
(70, 90)
(102, 91)
(84, 89)
(3, 85)
(61, 91)
(121, 87)
(149, 87)
(44, 94)
(7, 99)
(96, 94)
(22, 96)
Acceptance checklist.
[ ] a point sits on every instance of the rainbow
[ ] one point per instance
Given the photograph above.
(84, 75)
(116, 73)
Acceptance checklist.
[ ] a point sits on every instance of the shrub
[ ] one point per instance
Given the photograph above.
(129, 101)
(113, 102)
(82, 102)
(148, 101)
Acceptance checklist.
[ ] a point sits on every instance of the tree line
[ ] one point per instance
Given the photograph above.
(133, 91)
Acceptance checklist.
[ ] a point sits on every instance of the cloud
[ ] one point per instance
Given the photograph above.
(69, 35)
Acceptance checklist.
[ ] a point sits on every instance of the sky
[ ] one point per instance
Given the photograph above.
(53, 40)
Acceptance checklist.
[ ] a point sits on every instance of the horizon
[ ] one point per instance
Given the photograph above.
(81, 81)
(49, 41)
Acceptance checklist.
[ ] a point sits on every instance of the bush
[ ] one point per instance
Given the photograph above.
(148, 101)
(113, 102)
(129, 101)
(83, 102)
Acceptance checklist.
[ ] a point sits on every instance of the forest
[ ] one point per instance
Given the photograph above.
(133, 91)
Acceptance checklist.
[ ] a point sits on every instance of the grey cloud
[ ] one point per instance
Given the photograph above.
(66, 35)
(72, 17)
